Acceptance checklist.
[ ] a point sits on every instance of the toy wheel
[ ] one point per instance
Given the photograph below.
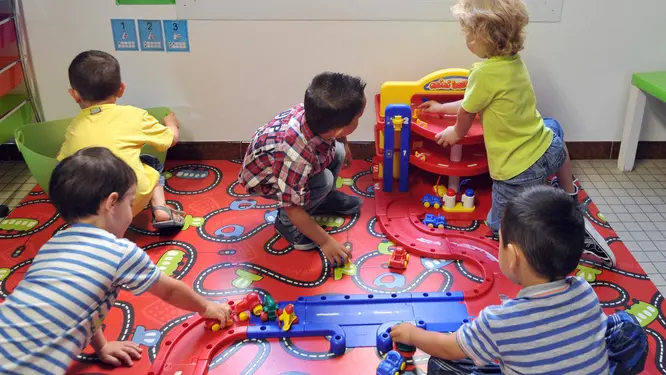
(397, 373)
(426, 204)
(263, 317)
(407, 257)
(405, 264)
(279, 311)
(440, 226)
(429, 225)
(402, 366)
(258, 310)
(243, 316)
(215, 327)
(437, 205)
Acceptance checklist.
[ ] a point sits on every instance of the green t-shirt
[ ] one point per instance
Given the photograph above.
(500, 91)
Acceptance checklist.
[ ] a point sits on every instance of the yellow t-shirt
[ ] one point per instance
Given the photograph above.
(124, 130)
(500, 91)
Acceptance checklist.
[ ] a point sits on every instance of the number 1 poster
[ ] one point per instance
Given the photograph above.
(124, 35)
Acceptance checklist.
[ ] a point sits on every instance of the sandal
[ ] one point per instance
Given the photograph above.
(173, 222)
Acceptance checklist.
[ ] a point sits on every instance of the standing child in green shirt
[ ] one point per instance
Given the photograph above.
(523, 148)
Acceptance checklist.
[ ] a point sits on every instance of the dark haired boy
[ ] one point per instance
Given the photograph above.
(555, 325)
(296, 158)
(59, 306)
(96, 85)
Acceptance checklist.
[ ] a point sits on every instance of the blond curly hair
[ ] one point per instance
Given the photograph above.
(495, 26)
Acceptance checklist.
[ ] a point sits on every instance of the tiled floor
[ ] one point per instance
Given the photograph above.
(634, 204)
(15, 183)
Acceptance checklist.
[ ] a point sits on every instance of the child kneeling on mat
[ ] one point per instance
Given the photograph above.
(96, 86)
(296, 159)
(73, 282)
(555, 324)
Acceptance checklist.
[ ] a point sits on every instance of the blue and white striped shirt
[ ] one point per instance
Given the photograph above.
(70, 287)
(554, 328)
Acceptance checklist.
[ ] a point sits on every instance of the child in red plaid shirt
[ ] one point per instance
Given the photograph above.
(296, 158)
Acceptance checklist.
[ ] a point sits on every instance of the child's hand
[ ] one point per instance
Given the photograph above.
(404, 333)
(429, 106)
(117, 353)
(217, 311)
(335, 252)
(171, 120)
(448, 137)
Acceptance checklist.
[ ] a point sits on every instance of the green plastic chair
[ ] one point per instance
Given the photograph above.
(40, 142)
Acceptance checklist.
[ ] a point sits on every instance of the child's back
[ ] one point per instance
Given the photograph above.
(124, 130)
(558, 327)
(70, 287)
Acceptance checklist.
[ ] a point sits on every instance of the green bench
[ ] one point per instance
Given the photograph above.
(642, 84)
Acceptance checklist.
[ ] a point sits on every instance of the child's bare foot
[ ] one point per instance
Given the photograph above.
(167, 217)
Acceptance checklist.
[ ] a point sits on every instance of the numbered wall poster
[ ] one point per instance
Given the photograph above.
(124, 35)
(150, 35)
(176, 35)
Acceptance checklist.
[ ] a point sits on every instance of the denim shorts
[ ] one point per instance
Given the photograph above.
(548, 165)
(154, 163)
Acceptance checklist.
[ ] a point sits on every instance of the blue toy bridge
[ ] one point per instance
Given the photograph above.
(364, 320)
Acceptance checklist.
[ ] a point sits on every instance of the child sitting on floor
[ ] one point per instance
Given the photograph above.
(96, 86)
(59, 306)
(555, 325)
(296, 159)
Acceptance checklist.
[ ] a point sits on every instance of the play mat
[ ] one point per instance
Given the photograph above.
(229, 248)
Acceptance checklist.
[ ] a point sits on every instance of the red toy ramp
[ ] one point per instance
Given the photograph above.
(189, 347)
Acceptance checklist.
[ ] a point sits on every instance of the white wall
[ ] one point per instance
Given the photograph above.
(241, 73)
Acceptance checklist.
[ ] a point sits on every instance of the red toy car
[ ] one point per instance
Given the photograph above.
(399, 258)
(251, 302)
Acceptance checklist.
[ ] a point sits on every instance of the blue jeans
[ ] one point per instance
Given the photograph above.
(154, 163)
(320, 185)
(625, 340)
(549, 164)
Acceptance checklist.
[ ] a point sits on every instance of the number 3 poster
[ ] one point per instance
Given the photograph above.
(176, 35)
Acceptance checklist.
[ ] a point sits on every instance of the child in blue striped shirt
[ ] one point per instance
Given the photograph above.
(555, 325)
(59, 306)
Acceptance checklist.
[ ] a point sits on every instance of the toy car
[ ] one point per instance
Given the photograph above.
(430, 220)
(251, 302)
(431, 200)
(392, 364)
(440, 222)
(399, 258)
(270, 309)
(214, 324)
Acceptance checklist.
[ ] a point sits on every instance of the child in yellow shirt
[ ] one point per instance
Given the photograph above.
(523, 148)
(96, 85)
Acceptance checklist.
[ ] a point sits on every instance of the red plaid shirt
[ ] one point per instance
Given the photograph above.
(282, 156)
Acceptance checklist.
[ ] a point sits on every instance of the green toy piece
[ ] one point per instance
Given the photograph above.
(191, 221)
(18, 224)
(270, 309)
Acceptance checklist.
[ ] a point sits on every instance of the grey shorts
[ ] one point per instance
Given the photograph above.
(154, 163)
(548, 165)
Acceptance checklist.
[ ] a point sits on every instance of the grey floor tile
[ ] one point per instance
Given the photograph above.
(641, 256)
(648, 246)
(641, 200)
(661, 245)
(616, 192)
(655, 236)
(653, 216)
(632, 226)
(657, 279)
(628, 185)
(594, 177)
(649, 227)
(640, 236)
(647, 208)
(633, 208)
(655, 200)
(612, 218)
(599, 185)
(641, 217)
(608, 178)
(655, 256)
(615, 208)
(641, 185)
(619, 227)
(649, 178)
(603, 208)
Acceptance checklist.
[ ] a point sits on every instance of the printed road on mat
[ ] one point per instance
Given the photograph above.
(229, 248)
